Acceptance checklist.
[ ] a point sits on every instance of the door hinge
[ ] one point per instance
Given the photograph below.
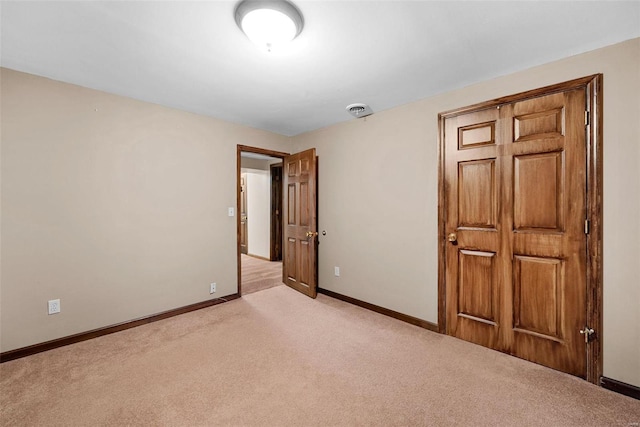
(587, 332)
(587, 226)
(586, 118)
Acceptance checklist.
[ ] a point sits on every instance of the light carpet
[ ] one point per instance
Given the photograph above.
(278, 358)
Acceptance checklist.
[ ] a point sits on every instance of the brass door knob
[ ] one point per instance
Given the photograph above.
(453, 237)
(312, 233)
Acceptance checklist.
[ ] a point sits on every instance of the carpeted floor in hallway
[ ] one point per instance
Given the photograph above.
(258, 274)
(278, 358)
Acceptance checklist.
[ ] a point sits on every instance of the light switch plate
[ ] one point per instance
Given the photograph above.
(232, 211)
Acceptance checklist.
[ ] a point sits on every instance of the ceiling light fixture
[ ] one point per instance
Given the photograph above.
(269, 23)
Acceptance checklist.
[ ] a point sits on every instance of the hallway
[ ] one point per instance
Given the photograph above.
(259, 274)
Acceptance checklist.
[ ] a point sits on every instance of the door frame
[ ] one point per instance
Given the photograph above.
(240, 150)
(593, 85)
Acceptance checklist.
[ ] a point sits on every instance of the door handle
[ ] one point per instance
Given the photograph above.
(453, 237)
(311, 234)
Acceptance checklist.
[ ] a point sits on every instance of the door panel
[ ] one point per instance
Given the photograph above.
(538, 206)
(477, 193)
(304, 273)
(290, 265)
(291, 204)
(537, 295)
(473, 255)
(538, 125)
(555, 194)
(300, 230)
(515, 264)
(477, 292)
(304, 204)
(474, 135)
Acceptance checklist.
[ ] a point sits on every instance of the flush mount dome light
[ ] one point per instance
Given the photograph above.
(269, 23)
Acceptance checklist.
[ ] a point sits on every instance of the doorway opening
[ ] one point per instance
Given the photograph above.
(259, 219)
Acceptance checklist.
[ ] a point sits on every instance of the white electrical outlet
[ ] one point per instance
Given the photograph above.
(212, 288)
(231, 212)
(54, 306)
(336, 271)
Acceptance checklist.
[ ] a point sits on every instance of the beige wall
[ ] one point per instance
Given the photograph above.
(259, 164)
(258, 212)
(117, 207)
(378, 197)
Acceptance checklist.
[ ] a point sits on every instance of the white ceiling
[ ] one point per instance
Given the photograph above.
(192, 56)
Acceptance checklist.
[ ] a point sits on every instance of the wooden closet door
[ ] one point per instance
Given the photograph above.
(545, 174)
(515, 192)
(474, 258)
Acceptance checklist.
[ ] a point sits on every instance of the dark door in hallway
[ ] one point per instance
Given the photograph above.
(276, 213)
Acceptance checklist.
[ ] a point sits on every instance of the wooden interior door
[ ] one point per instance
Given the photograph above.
(244, 244)
(516, 258)
(276, 212)
(546, 155)
(474, 256)
(300, 229)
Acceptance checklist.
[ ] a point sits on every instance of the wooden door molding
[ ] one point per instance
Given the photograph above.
(594, 192)
(595, 238)
(239, 150)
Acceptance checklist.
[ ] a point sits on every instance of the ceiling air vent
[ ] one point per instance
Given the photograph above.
(359, 110)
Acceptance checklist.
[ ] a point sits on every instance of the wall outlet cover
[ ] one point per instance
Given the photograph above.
(54, 306)
(212, 288)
